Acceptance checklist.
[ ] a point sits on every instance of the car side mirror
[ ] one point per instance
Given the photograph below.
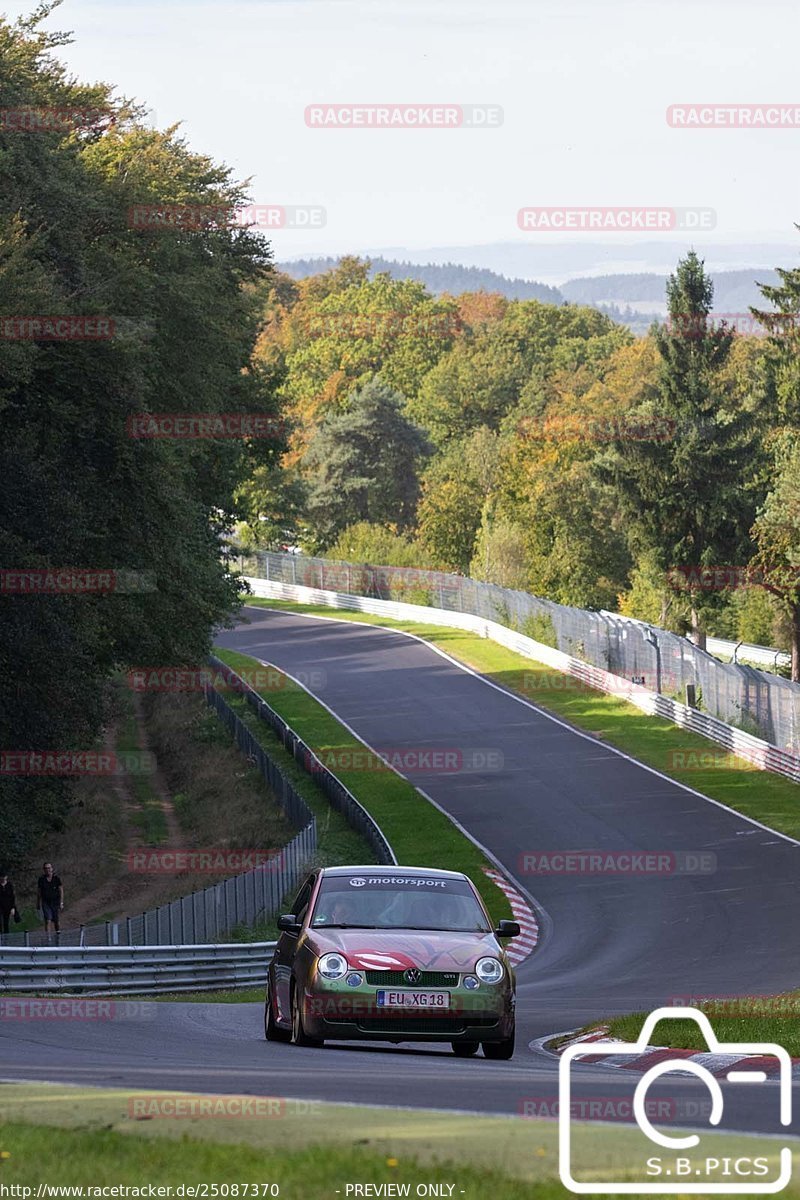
(507, 929)
(289, 923)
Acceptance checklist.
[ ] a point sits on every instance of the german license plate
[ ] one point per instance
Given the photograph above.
(413, 999)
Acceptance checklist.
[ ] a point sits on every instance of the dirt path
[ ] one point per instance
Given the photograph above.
(128, 892)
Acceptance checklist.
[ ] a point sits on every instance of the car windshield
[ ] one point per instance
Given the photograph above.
(398, 902)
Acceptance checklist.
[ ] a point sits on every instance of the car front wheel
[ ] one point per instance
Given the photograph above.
(299, 1035)
(272, 1030)
(500, 1050)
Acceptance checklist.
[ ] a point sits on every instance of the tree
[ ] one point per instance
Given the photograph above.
(500, 553)
(363, 465)
(685, 496)
(455, 489)
(77, 489)
(776, 564)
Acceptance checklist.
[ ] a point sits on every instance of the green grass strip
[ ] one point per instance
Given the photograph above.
(418, 833)
(733, 1019)
(685, 757)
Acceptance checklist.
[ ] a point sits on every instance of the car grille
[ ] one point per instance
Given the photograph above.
(423, 1024)
(426, 979)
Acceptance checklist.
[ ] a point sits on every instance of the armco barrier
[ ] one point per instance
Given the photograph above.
(754, 750)
(735, 693)
(338, 795)
(133, 970)
(243, 899)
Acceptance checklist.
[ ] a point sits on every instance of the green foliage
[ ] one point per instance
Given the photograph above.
(500, 553)
(77, 490)
(685, 498)
(362, 465)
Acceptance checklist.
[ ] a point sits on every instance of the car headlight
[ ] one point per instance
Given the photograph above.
(489, 970)
(333, 966)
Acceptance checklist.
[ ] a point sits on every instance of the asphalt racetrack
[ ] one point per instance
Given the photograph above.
(610, 942)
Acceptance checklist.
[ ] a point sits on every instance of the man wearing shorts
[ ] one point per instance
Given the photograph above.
(50, 897)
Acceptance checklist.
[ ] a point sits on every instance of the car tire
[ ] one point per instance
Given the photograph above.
(500, 1050)
(272, 1030)
(299, 1035)
(464, 1049)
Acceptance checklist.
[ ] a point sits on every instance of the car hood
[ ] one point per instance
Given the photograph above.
(399, 949)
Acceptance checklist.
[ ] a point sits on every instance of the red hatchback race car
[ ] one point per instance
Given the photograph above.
(393, 954)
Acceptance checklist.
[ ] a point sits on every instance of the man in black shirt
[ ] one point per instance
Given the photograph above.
(7, 902)
(50, 897)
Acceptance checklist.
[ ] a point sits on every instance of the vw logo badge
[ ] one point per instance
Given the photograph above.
(412, 976)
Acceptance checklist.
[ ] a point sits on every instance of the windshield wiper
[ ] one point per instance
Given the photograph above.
(343, 925)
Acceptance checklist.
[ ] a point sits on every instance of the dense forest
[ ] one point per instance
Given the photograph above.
(543, 446)
(734, 291)
(438, 277)
(538, 445)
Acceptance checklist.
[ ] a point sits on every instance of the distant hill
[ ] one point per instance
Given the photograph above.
(438, 278)
(734, 291)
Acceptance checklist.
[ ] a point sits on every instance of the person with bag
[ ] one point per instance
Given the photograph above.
(8, 903)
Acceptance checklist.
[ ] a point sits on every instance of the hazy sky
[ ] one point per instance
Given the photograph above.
(584, 89)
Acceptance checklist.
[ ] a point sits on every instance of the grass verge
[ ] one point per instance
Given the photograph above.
(683, 756)
(733, 1019)
(412, 825)
(310, 1149)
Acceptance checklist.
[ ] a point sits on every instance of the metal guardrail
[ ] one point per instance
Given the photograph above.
(338, 795)
(133, 970)
(207, 915)
(736, 652)
(735, 693)
(755, 750)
